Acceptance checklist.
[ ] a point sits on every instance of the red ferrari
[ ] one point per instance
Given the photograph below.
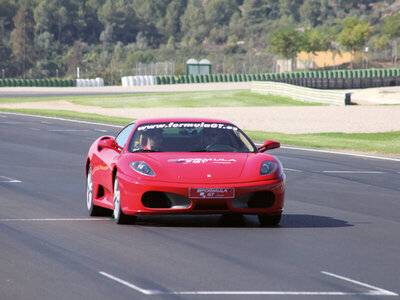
(183, 166)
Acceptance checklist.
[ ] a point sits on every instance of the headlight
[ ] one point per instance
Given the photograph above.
(268, 167)
(142, 168)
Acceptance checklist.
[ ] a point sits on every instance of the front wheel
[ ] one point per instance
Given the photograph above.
(269, 220)
(93, 210)
(119, 216)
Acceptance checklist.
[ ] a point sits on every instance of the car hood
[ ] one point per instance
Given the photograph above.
(202, 167)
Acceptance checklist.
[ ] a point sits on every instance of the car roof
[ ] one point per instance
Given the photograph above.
(182, 119)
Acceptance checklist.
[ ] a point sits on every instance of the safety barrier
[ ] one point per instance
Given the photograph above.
(333, 79)
(12, 82)
(137, 80)
(90, 82)
(300, 93)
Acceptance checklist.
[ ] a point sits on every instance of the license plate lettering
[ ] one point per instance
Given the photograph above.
(204, 193)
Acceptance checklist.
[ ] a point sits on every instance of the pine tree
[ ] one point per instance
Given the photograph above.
(22, 39)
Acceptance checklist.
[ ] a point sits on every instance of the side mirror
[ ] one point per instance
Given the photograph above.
(269, 145)
(108, 143)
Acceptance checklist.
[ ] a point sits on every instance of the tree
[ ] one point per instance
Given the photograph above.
(122, 18)
(254, 11)
(193, 22)
(22, 39)
(312, 41)
(5, 51)
(290, 9)
(74, 57)
(53, 16)
(8, 9)
(171, 26)
(151, 15)
(354, 35)
(219, 12)
(138, 57)
(391, 28)
(312, 12)
(285, 42)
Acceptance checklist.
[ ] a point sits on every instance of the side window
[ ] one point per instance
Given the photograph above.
(123, 135)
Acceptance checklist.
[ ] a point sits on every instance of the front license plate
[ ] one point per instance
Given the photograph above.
(204, 193)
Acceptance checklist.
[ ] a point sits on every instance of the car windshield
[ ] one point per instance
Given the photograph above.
(190, 137)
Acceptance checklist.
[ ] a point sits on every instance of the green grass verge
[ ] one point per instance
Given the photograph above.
(384, 142)
(381, 142)
(181, 99)
(191, 99)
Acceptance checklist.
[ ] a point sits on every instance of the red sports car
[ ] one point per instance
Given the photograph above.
(183, 166)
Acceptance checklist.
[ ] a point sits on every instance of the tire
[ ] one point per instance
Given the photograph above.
(269, 220)
(93, 210)
(118, 215)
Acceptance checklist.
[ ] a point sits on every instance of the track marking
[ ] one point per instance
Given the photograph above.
(130, 285)
(69, 130)
(355, 172)
(293, 170)
(342, 153)
(62, 119)
(373, 290)
(4, 179)
(54, 220)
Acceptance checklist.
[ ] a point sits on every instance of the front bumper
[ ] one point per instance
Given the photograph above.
(147, 197)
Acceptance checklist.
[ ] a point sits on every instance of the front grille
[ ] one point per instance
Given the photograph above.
(163, 200)
(257, 200)
(156, 200)
(262, 199)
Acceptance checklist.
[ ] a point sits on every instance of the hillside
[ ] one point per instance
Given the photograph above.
(110, 38)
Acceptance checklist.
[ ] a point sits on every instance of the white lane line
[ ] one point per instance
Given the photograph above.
(69, 130)
(342, 153)
(54, 219)
(374, 291)
(293, 170)
(355, 172)
(130, 285)
(337, 172)
(5, 179)
(62, 119)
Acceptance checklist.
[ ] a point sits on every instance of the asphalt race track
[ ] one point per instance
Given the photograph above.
(339, 237)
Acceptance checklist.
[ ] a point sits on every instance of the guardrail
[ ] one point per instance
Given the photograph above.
(300, 93)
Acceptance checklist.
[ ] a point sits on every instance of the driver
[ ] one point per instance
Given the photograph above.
(154, 139)
(209, 137)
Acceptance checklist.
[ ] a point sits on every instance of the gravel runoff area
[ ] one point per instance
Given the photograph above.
(366, 116)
